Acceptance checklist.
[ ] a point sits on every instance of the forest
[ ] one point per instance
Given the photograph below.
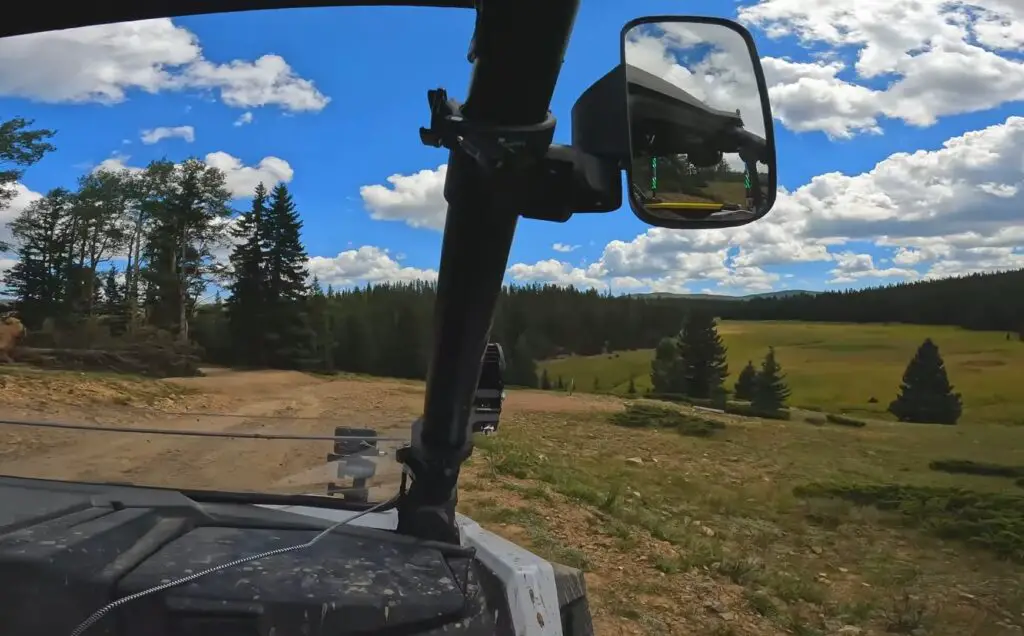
(131, 255)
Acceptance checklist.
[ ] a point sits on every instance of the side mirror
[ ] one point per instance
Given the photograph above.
(701, 143)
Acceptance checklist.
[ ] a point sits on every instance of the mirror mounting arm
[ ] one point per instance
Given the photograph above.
(493, 147)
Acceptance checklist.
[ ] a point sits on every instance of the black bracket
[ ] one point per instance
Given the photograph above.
(493, 147)
(427, 508)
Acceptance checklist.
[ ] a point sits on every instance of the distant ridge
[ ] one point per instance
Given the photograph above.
(785, 293)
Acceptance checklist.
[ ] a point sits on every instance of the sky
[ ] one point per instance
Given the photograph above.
(899, 129)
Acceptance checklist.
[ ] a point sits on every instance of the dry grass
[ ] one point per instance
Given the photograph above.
(707, 536)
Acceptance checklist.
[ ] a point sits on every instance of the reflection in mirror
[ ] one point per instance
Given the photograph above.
(698, 132)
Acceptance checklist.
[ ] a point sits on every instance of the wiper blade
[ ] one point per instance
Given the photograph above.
(272, 499)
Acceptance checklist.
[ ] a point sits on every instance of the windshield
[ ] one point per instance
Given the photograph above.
(223, 233)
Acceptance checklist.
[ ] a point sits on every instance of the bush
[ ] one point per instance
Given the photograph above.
(971, 467)
(652, 416)
(148, 352)
(739, 408)
(992, 521)
(845, 420)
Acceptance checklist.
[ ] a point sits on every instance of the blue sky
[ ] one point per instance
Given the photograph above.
(873, 190)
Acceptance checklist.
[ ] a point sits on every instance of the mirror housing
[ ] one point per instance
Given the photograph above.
(705, 150)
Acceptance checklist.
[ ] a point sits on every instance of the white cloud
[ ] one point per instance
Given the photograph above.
(240, 179)
(245, 118)
(416, 199)
(953, 210)
(154, 135)
(926, 58)
(103, 63)
(851, 266)
(367, 264)
(564, 248)
(21, 200)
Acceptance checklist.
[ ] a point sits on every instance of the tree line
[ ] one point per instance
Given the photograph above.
(979, 301)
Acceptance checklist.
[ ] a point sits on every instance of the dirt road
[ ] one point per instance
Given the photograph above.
(227, 401)
(270, 401)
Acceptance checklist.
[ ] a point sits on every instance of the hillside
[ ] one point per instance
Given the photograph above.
(839, 367)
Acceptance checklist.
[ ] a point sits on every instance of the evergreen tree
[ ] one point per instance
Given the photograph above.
(112, 292)
(20, 147)
(770, 390)
(702, 356)
(631, 389)
(288, 330)
(746, 382)
(560, 385)
(925, 395)
(246, 307)
(40, 279)
(545, 381)
(520, 365)
(665, 368)
(356, 352)
(597, 383)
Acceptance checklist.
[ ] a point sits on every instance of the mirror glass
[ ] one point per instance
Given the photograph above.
(697, 126)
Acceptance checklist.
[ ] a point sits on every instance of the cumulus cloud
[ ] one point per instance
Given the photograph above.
(240, 179)
(154, 135)
(367, 264)
(243, 119)
(416, 199)
(21, 200)
(953, 210)
(564, 248)
(913, 60)
(104, 63)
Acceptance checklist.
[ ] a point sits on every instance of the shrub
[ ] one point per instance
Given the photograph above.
(652, 416)
(971, 467)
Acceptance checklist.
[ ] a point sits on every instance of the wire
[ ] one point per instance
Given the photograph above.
(106, 609)
(300, 418)
(195, 433)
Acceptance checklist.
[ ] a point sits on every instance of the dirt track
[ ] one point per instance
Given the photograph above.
(262, 401)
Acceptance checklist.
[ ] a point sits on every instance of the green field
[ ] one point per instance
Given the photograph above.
(839, 367)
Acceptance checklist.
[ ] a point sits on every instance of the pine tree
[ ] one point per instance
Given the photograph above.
(40, 278)
(631, 389)
(112, 296)
(597, 383)
(246, 308)
(20, 147)
(560, 385)
(520, 366)
(925, 395)
(746, 382)
(665, 376)
(702, 356)
(289, 333)
(545, 381)
(770, 390)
